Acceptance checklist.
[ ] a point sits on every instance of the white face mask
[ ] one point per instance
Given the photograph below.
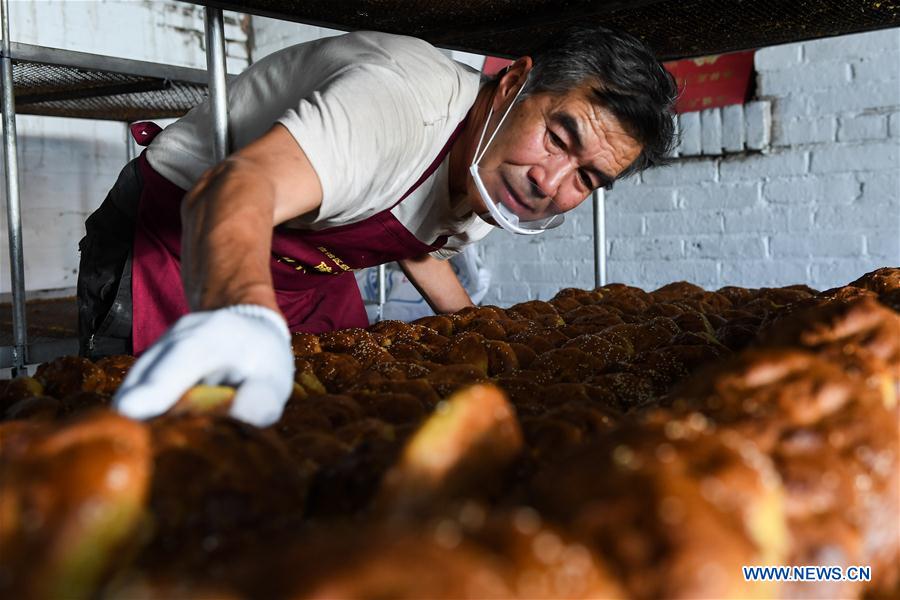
(503, 215)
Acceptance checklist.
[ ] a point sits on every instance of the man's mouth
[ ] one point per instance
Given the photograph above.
(513, 200)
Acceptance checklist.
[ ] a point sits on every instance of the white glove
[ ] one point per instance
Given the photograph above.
(246, 346)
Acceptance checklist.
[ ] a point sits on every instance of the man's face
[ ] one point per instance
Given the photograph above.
(551, 152)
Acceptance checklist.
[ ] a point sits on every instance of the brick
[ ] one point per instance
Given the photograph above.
(567, 250)
(625, 271)
(885, 246)
(733, 128)
(684, 223)
(825, 273)
(584, 274)
(816, 245)
(761, 220)
(880, 188)
(641, 200)
(879, 67)
(683, 171)
(541, 272)
(711, 131)
(762, 166)
(765, 221)
(805, 131)
(621, 225)
(894, 125)
(799, 218)
(864, 127)
(757, 124)
(764, 273)
(804, 78)
(777, 57)
(742, 195)
(645, 247)
(855, 157)
(856, 97)
(727, 246)
(854, 218)
(690, 129)
(847, 46)
(792, 107)
(836, 189)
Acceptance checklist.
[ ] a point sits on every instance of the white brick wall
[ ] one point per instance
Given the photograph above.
(68, 165)
(819, 205)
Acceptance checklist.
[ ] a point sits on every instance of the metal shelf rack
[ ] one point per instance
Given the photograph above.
(63, 83)
(674, 28)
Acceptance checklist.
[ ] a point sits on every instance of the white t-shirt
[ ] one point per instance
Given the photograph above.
(370, 110)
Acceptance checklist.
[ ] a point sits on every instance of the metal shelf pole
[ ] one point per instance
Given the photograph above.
(215, 66)
(382, 291)
(598, 199)
(13, 205)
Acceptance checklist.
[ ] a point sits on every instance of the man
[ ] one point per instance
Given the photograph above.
(350, 152)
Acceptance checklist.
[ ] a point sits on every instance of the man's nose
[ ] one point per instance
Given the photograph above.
(549, 176)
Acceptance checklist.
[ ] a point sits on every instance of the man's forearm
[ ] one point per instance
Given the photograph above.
(437, 283)
(227, 233)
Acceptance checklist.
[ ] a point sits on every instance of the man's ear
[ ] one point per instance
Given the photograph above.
(512, 78)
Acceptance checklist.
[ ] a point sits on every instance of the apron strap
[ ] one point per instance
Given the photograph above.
(435, 163)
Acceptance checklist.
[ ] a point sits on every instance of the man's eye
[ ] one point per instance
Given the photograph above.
(586, 179)
(557, 141)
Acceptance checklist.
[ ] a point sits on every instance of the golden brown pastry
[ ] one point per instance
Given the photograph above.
(675, 511)
(335, 371)
(34, 408)
(677, 290)
(738, 296)
(116, 368)
(832, 437)
(632, 391)
(490, 329)
(305, 344)
(68, 374)
(420, 388)
(213, 478)
(532, 309)
(458, 452)
(501, 357)
(567, 365)
(447, 379)
(441, 325)
(72, 503)
(11, 391)
(880, 281)
(81, 402)
(861, 331)
(465, 348)
(396, 409)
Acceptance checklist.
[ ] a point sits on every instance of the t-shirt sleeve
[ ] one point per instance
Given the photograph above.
(457, 243)
(361, 131)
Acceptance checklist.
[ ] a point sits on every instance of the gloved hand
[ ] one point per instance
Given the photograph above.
(246, 346)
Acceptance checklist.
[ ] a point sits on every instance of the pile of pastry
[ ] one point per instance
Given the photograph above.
(607, 443)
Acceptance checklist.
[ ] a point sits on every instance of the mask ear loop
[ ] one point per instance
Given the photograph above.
(487, 122)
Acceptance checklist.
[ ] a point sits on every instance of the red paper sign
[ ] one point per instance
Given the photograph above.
(712, 81)
(493, 65)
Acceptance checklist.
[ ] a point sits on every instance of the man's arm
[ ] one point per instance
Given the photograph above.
(227, 220)
(229, 215)
(437, 283)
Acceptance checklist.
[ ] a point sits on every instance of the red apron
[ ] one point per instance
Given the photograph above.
(312, 271)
